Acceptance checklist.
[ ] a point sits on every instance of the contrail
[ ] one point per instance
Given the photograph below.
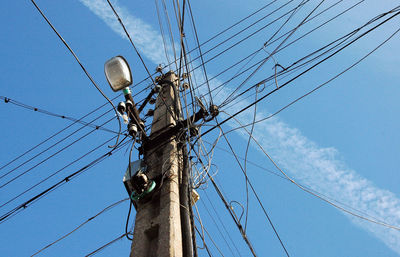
(320, 168)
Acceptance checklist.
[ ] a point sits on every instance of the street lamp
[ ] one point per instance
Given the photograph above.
(119, 77)
(118, 74)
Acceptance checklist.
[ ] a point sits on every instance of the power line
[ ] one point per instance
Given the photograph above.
(56, 172)
(105, 245)
(49, 157)
(312, 67)
(279, 175)
(284, 47)
(29, 107)
(221, 196)
(315, 194)
(29, 202)
(255, 194)
(109, 207)
(80, 64)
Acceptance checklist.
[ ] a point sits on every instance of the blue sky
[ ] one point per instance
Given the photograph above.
(341, 141)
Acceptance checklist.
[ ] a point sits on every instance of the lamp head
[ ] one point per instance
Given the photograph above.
(118, 73)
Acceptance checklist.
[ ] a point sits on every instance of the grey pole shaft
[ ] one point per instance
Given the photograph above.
(159, 225)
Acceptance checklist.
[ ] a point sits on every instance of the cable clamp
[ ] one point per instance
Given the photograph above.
(136, 197)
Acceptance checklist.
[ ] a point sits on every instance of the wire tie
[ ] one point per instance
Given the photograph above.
(35, 109)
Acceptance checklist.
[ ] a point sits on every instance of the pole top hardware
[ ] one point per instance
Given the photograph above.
(136, 181)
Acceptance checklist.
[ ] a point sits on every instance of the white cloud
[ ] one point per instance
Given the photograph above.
(299, 156)
(143, 35)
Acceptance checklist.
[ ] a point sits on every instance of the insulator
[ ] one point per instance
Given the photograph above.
(129, 104)
(157, 89)
(194, 132)
(185, 86)
(132, 129)
(121, 108)
(150, 112)
(152, 101)
(140, 182)
(214, 111)
(159, 68)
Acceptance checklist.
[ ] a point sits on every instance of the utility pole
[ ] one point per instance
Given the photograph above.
(163, 223)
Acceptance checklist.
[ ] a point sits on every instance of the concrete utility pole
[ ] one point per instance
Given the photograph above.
(162, 225)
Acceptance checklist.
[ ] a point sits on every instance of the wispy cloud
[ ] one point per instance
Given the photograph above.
(320, 168)
(144, 36)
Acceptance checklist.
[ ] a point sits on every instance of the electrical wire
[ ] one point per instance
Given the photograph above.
(138, 54)
(109, 207)
(277, 48)
(29, 202)
(279, 175)
(284, 47)
(255, 193)
(238, 225)
(29, 107)
(50, 137)
(302, 73)
(200, 53)
(83, 68)
(245, 162)
(49, 157)
(218, 228)
(105, 245)
(318, 87)
(56, 172)
(313, 193)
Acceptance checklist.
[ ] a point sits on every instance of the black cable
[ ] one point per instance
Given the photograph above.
(105, 245)
(312, 192)
(302, 73)
(204, 242)
(50, 137)
(279, 175)
(201, 55)
(292, 42)
(83, 68)
(81, 225)
(252, 34)
(49, 157)
(216, 225)
(277, 48)
(29, 107)
(245, 161)
(29, 202)
(137, 52)
(127, 220)
(287, 70)
(255, 193)
(221, 196)
(56, 172)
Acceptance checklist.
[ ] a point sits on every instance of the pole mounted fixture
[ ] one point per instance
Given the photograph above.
(119, 76)
(118, 73)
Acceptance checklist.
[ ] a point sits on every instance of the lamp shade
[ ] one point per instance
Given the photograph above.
(118, 73)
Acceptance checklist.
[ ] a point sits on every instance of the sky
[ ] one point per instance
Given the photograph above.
(340, 141)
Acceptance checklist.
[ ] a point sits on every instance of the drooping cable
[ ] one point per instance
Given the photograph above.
(307, 70)
(109, 207)
(83, 68)
(101, 248)
(313, 193)
(255, 194)
(29, 202)
(56, 172)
